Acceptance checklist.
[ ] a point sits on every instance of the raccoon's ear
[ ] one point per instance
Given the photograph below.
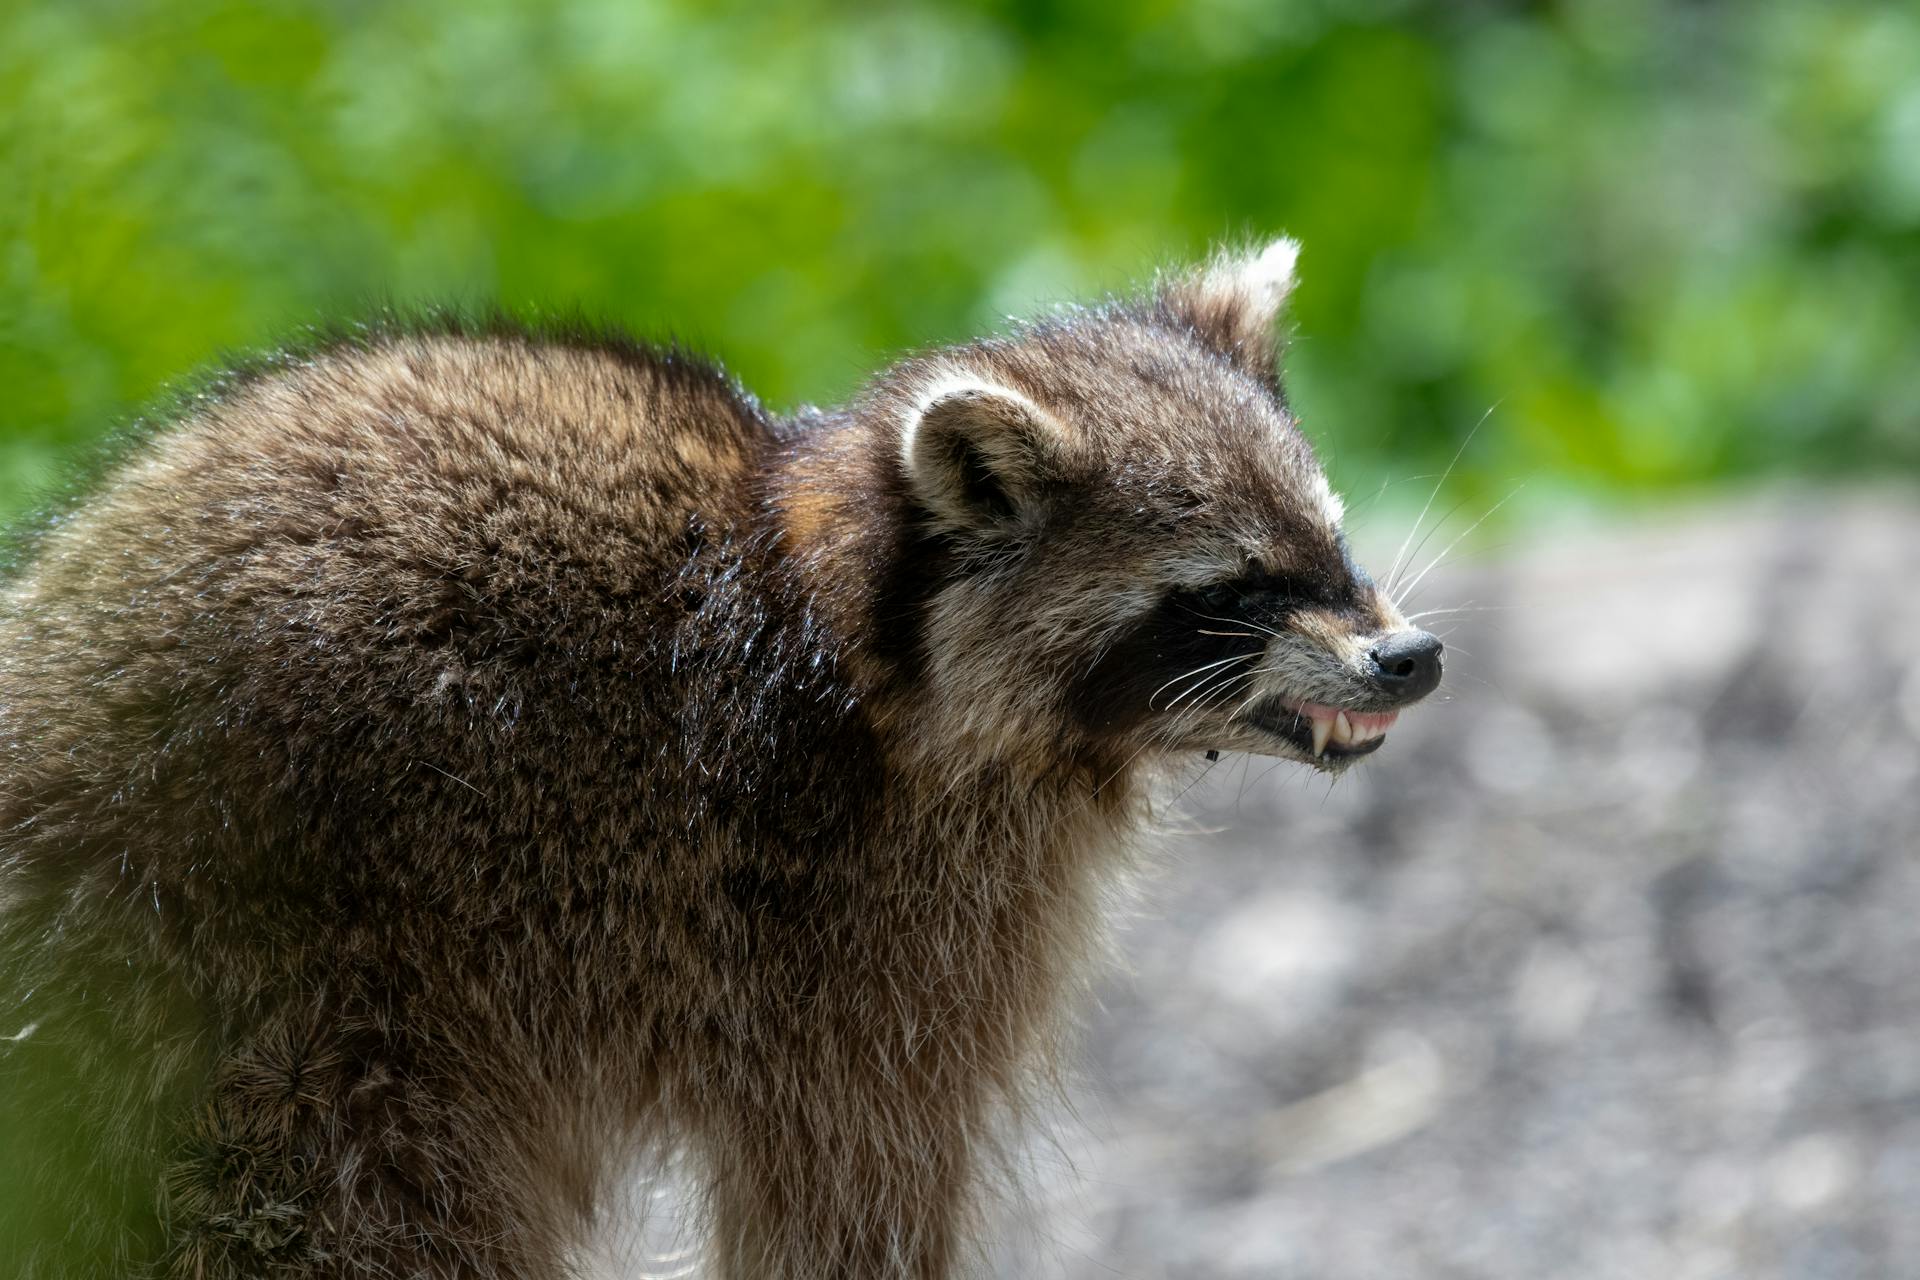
(1232, 303)
(977, 455)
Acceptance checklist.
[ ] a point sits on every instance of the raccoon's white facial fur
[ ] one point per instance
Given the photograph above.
(1136, 545)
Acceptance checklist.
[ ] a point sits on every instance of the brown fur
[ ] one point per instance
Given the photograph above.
(445, 763)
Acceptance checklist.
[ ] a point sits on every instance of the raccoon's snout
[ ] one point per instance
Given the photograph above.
(1406, 665)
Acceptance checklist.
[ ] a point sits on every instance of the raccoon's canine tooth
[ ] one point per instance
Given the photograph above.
(1343, 729)
(1322, 729)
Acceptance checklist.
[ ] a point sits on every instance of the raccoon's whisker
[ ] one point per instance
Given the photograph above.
(1211, 765)
(1205, 701)
(1215, 682)
(1235, 622)
(1203, 631)
(1426, 537)
(1176, 729)
(1201, 671)
(1488, 549)
(1253, 697)
(1460, 613)
(1366, 503)
(1207, 666)
(1269, 771)
(1408, 590)
(1220, 680)
(1220, 684)
(1238, 657)
(1468, 607)
(1394, 571)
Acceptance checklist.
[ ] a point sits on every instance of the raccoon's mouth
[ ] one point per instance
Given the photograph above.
(1322, 731)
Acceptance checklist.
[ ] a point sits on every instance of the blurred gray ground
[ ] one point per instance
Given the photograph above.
(1607, 966)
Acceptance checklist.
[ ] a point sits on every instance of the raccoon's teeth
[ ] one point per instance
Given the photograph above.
(1340, 727)
(1370, 725)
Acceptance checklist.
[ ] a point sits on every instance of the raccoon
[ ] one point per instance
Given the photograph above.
(453, 759)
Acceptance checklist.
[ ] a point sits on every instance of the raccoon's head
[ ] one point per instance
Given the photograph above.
(1123, 539)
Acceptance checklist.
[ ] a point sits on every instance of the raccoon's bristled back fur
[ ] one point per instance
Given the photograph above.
(447, 761)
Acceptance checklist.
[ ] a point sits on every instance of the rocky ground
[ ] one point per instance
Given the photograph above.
(1608, 966)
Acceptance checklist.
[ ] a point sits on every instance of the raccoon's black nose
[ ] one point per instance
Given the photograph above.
(1407, 664)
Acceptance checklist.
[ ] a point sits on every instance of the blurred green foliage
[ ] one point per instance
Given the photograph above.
(1662, 243)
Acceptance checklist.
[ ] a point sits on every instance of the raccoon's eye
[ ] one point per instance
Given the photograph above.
(1216, 602)
(1294, 590)
(1221, 596)
(1259, 588)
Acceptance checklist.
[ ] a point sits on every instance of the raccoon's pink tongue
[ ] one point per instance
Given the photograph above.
(1342, 727)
